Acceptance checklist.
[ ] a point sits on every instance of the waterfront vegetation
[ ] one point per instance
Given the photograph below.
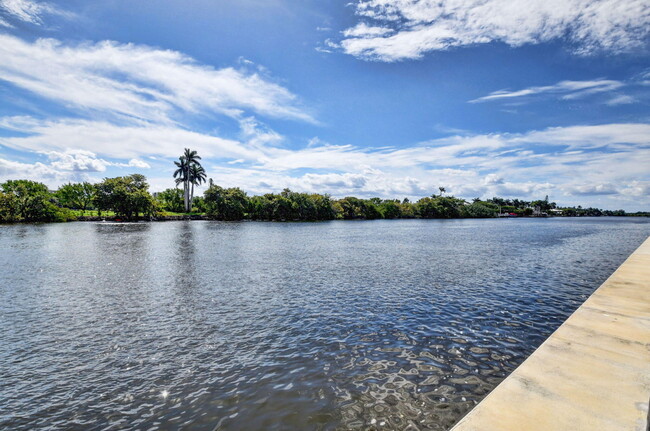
(128, 198)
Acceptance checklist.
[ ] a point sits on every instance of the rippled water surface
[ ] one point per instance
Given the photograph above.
(260, 326)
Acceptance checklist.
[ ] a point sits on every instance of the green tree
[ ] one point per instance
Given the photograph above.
(324, 207)
(127, 196)
(391, 209)
(8, 207)
(181, 176)
(31, 201)
(198, 204)
(171, 200)
(197, 177)
(355, 208)
(440, 207)
(225, 204)
(184, 174)
(261, 207)
(303, 206)
(479, 209)
(76, 195)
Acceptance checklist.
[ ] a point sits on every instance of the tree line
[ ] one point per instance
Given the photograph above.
(128, 198)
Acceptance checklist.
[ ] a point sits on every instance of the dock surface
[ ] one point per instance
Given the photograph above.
(592, 373)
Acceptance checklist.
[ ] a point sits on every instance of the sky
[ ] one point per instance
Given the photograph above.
(385, 98)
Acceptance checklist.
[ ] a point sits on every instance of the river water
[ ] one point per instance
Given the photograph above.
(400, 324)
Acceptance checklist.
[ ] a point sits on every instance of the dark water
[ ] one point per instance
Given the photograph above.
(260, 326)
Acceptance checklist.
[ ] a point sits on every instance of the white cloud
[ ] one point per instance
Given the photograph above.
(407, 29)
(139, 82)
(86, 161)
(136, 163)
(364, 30)
(28, 11)
(24, 10)
(571, 164)
(115, 141)
(76, 161)
(620, 99)
(63, 166)
(12, 170)
(614, 136)
(569, 90)
(4, 23)
(257, 135)
(592, 189)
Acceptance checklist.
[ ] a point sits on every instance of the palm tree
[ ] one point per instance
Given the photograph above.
(181, 177)
(442, 190)
(187, 161)
(197, 176)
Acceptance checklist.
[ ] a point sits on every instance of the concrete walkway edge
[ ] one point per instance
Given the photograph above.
(592, 373)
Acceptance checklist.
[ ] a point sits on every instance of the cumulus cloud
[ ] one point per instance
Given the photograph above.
(86, 161)
(139, 82)
(76, 161)
(407, 29)
(592, 189)
(63, 166)
(136, 163)
(11, 170)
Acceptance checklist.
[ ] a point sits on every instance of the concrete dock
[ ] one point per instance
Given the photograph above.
(593, 373)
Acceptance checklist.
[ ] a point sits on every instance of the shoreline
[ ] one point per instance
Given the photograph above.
(202, 217)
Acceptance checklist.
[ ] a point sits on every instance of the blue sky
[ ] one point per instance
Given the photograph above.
(365, 97)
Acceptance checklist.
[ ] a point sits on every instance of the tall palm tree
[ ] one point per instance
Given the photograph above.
(181, 177)
(187, 161)
(197, 176)
(442, 190)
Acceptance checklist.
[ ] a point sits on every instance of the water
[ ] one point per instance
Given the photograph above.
(401, 324)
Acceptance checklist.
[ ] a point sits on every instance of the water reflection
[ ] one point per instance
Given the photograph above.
(209, 325)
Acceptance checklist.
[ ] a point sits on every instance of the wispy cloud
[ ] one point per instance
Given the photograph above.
(566, 89)
(620, 99)
(139, 82)
(29, 11)
(4, 23)
(24, 10)
(116, 141)
(393, 30)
